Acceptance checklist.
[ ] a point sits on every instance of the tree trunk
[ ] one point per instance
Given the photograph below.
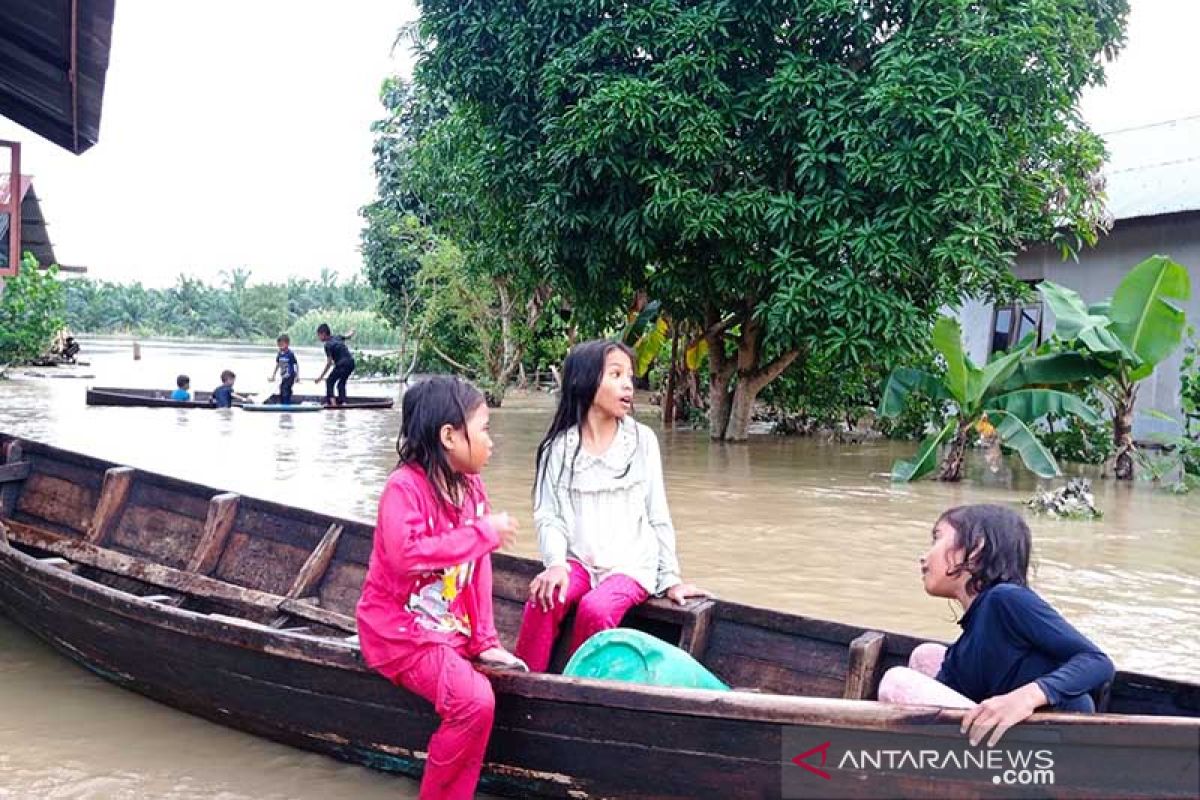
(668, 399)
(741, 413)
(720, 404)
(1123, 432)
(951, 468)
(721, 369)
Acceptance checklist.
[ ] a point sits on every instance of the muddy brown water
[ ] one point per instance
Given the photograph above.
(795, 524)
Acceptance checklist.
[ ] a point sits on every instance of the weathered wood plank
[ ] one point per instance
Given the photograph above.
(114, 494)
(46, 498)
(314, 569)
(17, 471)
(222, 511)
(10, 452)
(319, 615)
(862, 676)
(695, 632)
(157, 534)
(188, 583)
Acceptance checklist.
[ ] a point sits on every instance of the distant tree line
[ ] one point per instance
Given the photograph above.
(230, 309)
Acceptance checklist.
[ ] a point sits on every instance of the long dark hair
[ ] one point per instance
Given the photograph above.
(1002, 539)
(583, 370)
(429, 405)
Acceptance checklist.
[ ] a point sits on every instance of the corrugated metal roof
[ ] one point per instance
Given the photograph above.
(1154, 169)
(41, 41)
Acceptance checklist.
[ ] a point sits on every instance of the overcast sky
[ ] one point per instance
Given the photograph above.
(272, 100)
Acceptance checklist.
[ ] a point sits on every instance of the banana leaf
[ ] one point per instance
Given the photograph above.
(927, 456)
(995, 373)
(1144, 319)
(1056, 369)
(1074, 320)
(695, 355)
(1013, 433)
(649, 346)
(902, 382)
(947, 340)
(1030, 405)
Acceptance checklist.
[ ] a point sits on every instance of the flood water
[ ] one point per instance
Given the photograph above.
(801, 525)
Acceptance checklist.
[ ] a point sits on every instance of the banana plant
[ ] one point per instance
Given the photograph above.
(1127, 337)
(1001, 400)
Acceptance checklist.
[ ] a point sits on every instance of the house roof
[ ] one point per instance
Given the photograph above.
(1154, 169)
(53, 59)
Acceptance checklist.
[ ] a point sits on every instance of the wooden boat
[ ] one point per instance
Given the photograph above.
(147, 398)
(240, 610)
(161, 398)
(352, 402)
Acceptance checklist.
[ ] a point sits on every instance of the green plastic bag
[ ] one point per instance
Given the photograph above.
(625, 654)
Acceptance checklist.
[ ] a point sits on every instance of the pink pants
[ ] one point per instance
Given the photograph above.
(599, 609)
(463, 699)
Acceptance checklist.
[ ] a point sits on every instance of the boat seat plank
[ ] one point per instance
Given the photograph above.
(18, 471)
(222, 511)
(866, 661)
(114, 494)
(163, 577)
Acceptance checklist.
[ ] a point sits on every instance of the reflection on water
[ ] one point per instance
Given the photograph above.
(796, 524)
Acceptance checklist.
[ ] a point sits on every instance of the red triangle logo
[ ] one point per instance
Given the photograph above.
(800, 760)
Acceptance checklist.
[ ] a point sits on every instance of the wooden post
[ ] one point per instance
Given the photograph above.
(137, 351)
(222, 511)
(114, 494)
(862, 675)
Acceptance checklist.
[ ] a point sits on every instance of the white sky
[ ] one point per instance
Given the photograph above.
(257, 114)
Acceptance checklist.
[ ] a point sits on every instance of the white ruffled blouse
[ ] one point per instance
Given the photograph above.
(608, 512)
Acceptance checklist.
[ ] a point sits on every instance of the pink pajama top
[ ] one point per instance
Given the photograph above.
(427, 563)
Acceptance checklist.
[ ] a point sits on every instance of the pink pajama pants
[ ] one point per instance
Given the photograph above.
(463, 699)
(598, 609)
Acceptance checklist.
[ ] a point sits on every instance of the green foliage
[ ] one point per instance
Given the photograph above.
(1178, 457)
(821, 176)
(1124, 338)
(1072, 439)
(233, 309)
(1189, 388)
(370, 329)
(373, 365)
(31, 312)
(985, 398)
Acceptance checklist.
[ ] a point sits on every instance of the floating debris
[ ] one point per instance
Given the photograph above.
(1074, 501)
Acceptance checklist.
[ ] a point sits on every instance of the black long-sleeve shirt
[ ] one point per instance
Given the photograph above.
(1010, 637)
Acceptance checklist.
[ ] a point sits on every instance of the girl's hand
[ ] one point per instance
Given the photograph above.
(505, 525)
(550, 585)
(998, 714)
(680, 592)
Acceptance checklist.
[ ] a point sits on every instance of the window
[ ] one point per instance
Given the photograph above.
(1012, 323)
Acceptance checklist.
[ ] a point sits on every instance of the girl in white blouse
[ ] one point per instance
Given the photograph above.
(599, 507)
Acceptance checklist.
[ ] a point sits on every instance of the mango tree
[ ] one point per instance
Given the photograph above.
(1128, 336)
(1001, 400)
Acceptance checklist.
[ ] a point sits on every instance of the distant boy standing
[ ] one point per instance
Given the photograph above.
(337, 356)
(288, 369)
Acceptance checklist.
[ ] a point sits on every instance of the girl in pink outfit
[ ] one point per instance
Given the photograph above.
(600, 508)
(425, 615)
